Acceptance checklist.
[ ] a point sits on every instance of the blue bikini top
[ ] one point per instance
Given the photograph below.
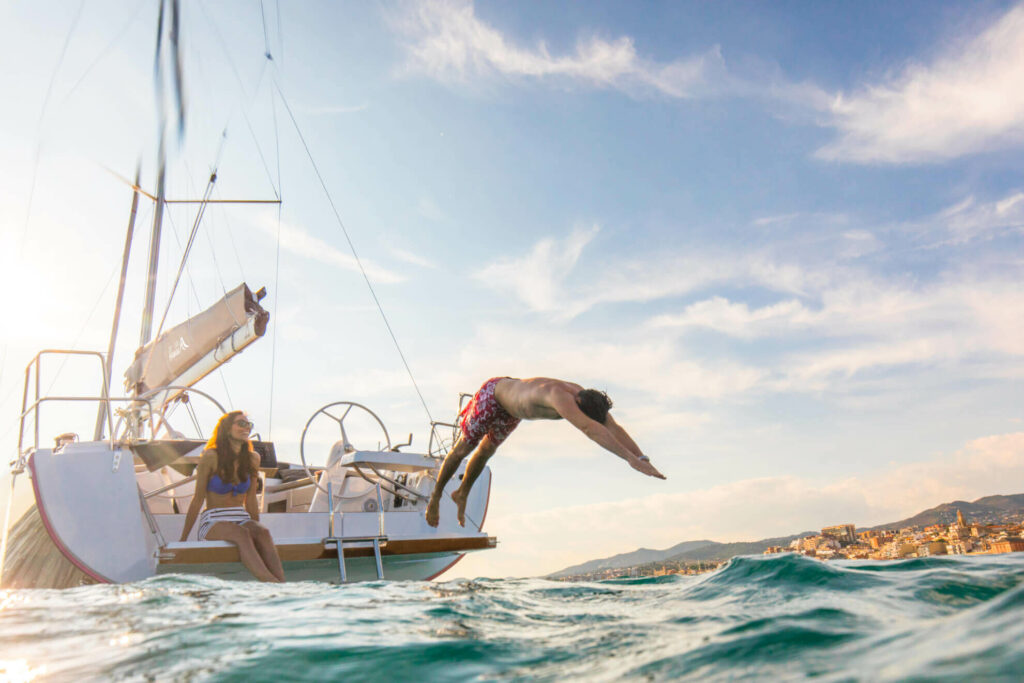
(217, 485)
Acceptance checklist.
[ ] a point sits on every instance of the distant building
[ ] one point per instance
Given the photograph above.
(930, 549)
(1008, 545)
(960, 518)
(844, 533)
(961, 547)
(905, 550)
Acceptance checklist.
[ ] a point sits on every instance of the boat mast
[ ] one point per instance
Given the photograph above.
(154, 252)
(103, 408)
(161, 93)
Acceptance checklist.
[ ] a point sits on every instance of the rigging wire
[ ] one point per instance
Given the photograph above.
(188, 270)
(268, 57)
(195, 420)
(216, 264)
(191, 240)
(203, 205)
(280, 33)
(209, 241)
(259, 150)
(199, 303)
(103, 52)
(266, 39)
(277, 271)
(38, 150)
(277, 254)
(234, 248)
(92, 312)
(241, 85)
(352, 247)
(74, 345)
(39, 124)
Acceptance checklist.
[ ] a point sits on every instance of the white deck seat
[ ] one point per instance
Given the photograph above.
(389, 460)
(295, 540)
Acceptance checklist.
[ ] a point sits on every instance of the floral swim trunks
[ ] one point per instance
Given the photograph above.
(484, 415)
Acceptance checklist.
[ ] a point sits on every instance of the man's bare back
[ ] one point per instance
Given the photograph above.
(530, 399)
(496, 410)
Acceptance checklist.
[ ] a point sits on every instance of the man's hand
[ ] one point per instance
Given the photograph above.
(643, 464)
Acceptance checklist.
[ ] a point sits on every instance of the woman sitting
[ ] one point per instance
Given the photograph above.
(225, 481)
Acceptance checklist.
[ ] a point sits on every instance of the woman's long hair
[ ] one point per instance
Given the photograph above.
(232, 467)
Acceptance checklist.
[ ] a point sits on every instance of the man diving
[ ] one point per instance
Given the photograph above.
(496, 410)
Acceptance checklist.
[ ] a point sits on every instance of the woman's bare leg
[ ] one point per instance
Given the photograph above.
(264, 543)
(240, 536)
(474, 467)
(451, 463)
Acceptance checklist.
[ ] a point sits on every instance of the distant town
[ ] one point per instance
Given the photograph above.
(843, 542)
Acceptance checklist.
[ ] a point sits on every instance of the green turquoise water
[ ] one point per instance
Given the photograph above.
(777, 617)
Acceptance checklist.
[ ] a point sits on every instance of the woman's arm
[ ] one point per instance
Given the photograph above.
(203, 470)
(252, 498)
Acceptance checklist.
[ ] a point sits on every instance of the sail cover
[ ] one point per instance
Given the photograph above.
(188, 352)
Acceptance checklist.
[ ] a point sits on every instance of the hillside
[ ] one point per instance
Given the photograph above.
(986, 510)
(723, 551)
(640, 556)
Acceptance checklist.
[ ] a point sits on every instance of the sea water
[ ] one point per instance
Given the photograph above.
(777, 617)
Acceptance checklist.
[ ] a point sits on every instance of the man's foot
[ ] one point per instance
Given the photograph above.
(460, 500)
(433, 515)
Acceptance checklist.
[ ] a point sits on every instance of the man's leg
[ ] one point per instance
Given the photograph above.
(451, 463)
(473, 469)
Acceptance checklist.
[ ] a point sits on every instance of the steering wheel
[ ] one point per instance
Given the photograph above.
(335, 408)
(161, 419)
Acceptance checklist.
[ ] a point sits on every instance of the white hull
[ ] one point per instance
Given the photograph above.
(89, 503)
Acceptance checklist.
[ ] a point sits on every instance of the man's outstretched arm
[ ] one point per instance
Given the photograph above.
(621, 436)
(565, 404)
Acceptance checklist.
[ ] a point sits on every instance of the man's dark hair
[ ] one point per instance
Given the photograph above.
(594, 404)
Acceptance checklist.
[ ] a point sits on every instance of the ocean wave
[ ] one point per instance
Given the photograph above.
(781, 616)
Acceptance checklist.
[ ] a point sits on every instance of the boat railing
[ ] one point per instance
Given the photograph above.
(436, 446)
(33, 409)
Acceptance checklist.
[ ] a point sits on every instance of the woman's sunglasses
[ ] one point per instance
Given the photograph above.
(244, 424)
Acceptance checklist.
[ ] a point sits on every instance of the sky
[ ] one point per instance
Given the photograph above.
(786, 238)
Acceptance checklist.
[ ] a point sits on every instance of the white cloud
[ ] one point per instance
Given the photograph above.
(803, 218)
(737, 319)
(537, 278)
(846, 320)
(298, 241)
(428, 208)
(643, 363)
(861, 324)
(966, 101)
(414, 259)
(969, 219)
(540, 542)
(449, 42)
(540, 278)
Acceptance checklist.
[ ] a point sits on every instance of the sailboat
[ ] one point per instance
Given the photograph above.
(109, 509)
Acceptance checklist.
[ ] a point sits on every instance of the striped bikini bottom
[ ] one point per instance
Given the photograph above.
(210, 516)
